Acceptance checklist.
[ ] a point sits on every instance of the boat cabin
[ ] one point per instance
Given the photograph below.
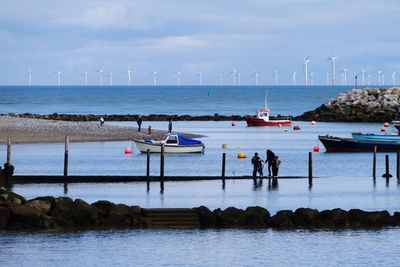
(263, 113)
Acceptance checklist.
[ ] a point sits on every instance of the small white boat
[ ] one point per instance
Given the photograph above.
(173, 143)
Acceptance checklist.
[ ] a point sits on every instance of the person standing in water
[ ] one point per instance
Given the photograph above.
(270, 159)
(170, 125)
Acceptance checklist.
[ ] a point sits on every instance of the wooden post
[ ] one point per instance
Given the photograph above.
(398, 165)
(148, 169)
(9, 151)
(310, 174)
(387, 174)
(223, 169)
(66, 155)
(162, 169)
(374, 164)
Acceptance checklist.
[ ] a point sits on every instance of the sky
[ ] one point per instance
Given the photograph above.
(211, 37)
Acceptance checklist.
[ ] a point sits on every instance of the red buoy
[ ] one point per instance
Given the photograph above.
(128, 150)
(296, 127)
(313, 123)
(386, 124)
(383, 129)
(233, 123)
(316, 148)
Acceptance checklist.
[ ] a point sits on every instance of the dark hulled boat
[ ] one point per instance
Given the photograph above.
(340, 144)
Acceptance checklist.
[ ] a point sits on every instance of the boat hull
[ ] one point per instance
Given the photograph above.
(339, 144)
(261, 122)
(168, 149)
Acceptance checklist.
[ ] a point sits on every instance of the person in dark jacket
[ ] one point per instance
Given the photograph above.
(170, 125)
(270, 158)
(275, 166)
(139, 122)
(257, 164)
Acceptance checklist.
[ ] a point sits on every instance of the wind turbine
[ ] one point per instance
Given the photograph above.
(344, 76)
(294, 78)
(30, 77)
(276, 77)
(328, 78)
(369, 79)
(129, 75)
(59, 77)
(110, 76)
(306, 61)
(363, 76)
(383, 79)
(178, 76)
(394, 78)
(200, 74)
(333, 61)
(239, 78)
(379, 77)
(312, 78)
(255, 74)
(100, 76)
(221, 74)
(234, 76)
(85, 74)
(154, 77)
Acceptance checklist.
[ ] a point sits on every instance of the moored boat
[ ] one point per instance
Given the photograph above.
(341, 144)
(262, 119)
(173, 143)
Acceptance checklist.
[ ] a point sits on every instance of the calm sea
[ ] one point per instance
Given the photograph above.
(344, 180)
(193, 100)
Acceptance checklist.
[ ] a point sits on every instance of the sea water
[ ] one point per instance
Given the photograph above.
(343, 180)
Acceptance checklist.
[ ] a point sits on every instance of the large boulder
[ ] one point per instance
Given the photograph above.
(66, 210)
(103, 206)
(207, 217)
(307, 217)
(255, 217)
(43, 206)
(4, 217)
(336, 218)
(283, 219)
(229, 217)
(24, 215)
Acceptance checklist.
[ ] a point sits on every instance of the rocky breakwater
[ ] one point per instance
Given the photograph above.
(63, 213)
(358, 105)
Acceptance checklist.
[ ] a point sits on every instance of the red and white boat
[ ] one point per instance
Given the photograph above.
(262, 119)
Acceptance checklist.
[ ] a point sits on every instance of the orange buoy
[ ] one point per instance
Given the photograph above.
(224, 145)
(313, 123)
(296, 127)
(316, 148)
(233, 123)
(241, 155)
(383, 129)
(128, 150)
(386, 124)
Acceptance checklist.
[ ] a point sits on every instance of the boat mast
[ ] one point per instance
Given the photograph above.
(266, 100)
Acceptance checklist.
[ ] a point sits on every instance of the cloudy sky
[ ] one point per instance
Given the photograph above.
(166, 36)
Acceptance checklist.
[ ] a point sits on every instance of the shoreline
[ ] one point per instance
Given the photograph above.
(29, 130)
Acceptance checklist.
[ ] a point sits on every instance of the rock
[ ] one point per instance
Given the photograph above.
(4, 217)
(307, 217)
(207, 217)
(103, 206)
(229, 217)
(119, 215)
(283, 219)
(42, 206)
(255, 217)
(24, 215)
(66, 210)
(338, 217)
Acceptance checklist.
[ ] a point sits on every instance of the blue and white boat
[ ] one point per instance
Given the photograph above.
(376, 137)
(173, 143)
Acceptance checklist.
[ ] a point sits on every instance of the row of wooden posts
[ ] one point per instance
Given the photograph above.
(387, 175)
